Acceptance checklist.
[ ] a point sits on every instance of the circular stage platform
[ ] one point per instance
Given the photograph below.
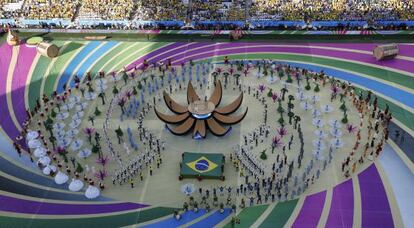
(33, 41)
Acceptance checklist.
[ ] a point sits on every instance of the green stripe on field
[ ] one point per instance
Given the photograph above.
(121, 47)
(123, 55)
(123, 60)
(36, 80)
(249, 215)
(280, 214)
(60, 62)
(37, 77)
(94, 222)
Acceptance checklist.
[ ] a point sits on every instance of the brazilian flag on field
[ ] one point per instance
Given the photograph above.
(201, 164)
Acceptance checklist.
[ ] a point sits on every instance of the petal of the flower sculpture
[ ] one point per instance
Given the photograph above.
(229, 119)
(191, 93)
(216, 95)
(174, 106)
(171, 119)
(200, 127)
(232, 107)
(183, 128)
(216, 128)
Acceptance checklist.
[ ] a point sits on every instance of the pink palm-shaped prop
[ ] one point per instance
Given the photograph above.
(246, 71)
(277, 142)
(129, 94)
(101, 174)
(262, 88)
(113, 74)
(102, 160)
(282, 131)
(231, 71)
(60, 150)
(89, 131)
(275, 96)
(121, 101)
(335, 90)
(351, 128)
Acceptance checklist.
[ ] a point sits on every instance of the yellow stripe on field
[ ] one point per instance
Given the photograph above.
(357, 202)
(326, 208)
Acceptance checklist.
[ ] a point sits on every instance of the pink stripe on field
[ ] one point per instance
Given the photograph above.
(5, 120)
(23, 65)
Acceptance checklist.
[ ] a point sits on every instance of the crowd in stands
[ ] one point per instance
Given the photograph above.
(106, 9)
(48, 9)
(202, 11)
(38, 9)
(217, 10)
(333, 9)
(157, 10)
(4, 13)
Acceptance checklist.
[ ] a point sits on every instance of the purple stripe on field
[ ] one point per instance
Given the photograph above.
(405, 50)
(21, 71)
(5, 58)
(341, 213)
(363, 58)
(311, 211)
(366, 58)
(352, 46)
(5, 121)
(375, 207)
(16, 205)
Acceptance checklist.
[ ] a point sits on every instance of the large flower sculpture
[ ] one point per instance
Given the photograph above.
(201, 114)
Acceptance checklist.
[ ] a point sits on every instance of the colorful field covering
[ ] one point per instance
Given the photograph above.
(26, 76)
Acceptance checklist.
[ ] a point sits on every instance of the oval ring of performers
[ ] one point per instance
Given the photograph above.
(206, 113)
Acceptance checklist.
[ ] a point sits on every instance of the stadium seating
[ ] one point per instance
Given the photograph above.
(204, 13)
